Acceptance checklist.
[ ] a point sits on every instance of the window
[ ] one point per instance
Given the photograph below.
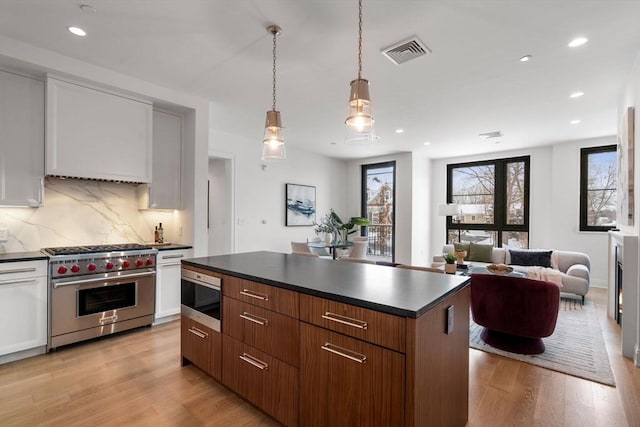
(598, 186)
(493, 196)
(378, 205)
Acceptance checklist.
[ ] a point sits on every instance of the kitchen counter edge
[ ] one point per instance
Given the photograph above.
(22, 256)
(363, 303)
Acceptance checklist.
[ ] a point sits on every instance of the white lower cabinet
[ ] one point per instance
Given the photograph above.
(168, 283)
(23, 308)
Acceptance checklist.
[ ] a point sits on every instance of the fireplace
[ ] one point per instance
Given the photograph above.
(618, 284)
(624, 276)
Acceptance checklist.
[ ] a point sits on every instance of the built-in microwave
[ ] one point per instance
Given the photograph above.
(200, 298)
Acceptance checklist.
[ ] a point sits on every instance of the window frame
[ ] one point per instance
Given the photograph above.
(363, 198)
(499, 225)
(584, 184)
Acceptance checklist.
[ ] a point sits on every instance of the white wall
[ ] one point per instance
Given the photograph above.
(631, 98)
(404, 202)
(422, 212)
(554, 203)
(260, 192)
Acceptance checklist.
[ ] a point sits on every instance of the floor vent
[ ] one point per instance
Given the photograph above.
(405, 51)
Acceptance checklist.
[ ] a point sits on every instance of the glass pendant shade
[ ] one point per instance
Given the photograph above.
(359, 123)
(273, 144)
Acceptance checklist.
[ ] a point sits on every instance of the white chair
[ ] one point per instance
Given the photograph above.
(300, 247)
(358, 250)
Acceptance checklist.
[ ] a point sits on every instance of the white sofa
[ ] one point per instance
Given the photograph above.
(574, 266)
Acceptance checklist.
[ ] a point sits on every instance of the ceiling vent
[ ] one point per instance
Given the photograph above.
(405, 51)
(494, 134)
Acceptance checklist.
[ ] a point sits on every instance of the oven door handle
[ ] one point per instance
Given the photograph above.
(102, 279)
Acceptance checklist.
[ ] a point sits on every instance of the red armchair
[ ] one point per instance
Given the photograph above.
(516, 312)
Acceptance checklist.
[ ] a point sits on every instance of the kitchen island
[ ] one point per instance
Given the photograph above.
(320, 342)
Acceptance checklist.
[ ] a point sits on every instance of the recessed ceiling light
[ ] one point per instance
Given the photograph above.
(578, 41)
(77, 31)
(399, 130)
(526, 58)
(426, 143)
(575, 122)
(576, 94)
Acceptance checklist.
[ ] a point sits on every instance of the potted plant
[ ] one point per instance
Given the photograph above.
(346, 228)
(450, 266)
(325, 226)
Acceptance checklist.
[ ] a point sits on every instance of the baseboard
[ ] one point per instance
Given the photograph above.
(12, 357)
(636, 356)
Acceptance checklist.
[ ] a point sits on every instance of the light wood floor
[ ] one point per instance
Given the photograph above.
(136, 379)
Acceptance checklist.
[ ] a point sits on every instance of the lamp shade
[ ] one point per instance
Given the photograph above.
(450, 209)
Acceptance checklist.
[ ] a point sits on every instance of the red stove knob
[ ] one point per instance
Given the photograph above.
(75, 268)
(109, 265)
(125, 264)
(139, 263)
(149, 261)
(62, 269)
(91, 267)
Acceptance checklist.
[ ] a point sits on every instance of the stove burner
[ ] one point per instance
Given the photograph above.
(73, 250)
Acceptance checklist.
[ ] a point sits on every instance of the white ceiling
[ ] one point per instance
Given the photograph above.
(472, 83)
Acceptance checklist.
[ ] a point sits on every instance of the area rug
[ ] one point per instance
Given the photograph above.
(575, 348)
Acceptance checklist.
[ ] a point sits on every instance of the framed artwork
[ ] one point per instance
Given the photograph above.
(625, 199)
(300, 205)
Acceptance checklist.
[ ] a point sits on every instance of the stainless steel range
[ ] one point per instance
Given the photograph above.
(99, 290)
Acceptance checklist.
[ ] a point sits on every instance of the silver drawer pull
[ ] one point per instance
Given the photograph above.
(360, 324)
(18, 270)
(249, 293)
(255, 319)
(198, 332)
(351, 355)
(255, 362)
(109, 319)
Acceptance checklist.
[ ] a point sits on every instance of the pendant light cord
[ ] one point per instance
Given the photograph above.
(275, 33)
(359, 39)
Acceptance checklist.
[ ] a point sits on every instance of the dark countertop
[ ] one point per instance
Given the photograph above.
(169, 246)
(22, 256)
(402, 292)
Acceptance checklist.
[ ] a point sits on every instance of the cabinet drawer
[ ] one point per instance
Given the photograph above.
(201, 346)
(266, 330)
(379, 328)
(263, 380)
(348, 382)
(22, 269)
(270, 297)
(173, 256)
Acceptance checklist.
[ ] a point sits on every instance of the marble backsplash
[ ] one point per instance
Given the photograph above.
(82, 212)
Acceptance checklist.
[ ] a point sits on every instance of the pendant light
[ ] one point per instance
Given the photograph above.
(273, 144)
(359, 124)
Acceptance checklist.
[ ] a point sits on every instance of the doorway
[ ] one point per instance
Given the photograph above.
(220, 205)
(379, 206)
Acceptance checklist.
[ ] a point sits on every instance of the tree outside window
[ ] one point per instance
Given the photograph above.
(598, 188)
(493, 197)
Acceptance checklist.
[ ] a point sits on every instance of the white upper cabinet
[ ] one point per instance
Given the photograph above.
(21, 140)
(165, 189)
(96, 134)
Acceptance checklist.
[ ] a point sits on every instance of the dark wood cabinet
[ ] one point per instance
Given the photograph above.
(262, 379)
(347, 382)
(201, 346)
(280, 300)
(263, 329)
